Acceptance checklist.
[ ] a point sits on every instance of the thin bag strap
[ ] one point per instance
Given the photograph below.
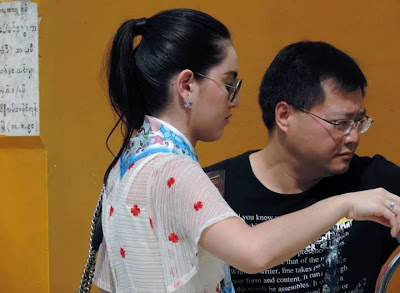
(88, 272)
(96, 236)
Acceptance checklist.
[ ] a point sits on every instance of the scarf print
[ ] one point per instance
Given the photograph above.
(155, 136)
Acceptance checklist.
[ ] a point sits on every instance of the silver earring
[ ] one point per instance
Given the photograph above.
(188, 104)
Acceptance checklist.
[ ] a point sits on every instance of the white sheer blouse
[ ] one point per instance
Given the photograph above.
(152, 219)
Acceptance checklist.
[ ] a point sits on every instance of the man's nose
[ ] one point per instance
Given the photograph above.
(353, 136)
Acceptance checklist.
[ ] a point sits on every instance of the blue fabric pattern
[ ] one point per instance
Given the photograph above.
(155, 136)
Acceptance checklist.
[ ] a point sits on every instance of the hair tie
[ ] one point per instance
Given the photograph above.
(140, 25)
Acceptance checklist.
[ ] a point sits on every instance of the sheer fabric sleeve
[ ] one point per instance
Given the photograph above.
(102, 273)
(182, 203)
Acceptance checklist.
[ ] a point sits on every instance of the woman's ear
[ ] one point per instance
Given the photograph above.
(283, 112)
(185, 82)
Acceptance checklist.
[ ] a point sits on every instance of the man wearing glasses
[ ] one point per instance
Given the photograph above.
(312, 98)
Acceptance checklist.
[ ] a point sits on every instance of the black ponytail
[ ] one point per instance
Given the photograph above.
(121, 76)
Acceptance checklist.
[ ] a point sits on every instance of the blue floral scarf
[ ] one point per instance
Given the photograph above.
(155, 136)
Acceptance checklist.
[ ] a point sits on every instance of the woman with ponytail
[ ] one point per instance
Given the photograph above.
(166, 227)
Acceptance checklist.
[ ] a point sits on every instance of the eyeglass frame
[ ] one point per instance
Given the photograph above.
(232, 96)
(337, 123)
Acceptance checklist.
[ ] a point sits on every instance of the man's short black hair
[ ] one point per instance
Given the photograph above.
(296, 75)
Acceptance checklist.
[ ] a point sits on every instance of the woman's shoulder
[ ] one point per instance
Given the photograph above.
(175, 161)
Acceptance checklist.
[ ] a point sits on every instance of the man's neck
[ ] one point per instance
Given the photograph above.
(280, 172)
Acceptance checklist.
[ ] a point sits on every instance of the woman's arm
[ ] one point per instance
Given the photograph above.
(254, 249)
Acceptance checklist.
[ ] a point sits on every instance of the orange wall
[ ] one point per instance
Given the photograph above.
(24, 238)
(76, 117)
(23, 216)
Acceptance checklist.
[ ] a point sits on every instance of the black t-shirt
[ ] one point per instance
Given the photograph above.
(348, 258)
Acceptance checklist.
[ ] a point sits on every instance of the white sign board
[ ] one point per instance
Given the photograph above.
(19, 69)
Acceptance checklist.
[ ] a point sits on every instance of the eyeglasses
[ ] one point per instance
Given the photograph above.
(232, 89)
(345, 126)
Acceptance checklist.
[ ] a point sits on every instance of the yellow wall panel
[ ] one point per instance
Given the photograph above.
(23, 217)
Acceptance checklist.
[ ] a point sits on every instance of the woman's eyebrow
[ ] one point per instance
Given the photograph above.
(233, 73)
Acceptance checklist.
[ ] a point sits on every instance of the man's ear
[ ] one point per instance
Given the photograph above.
(185, 82)
(283, 111)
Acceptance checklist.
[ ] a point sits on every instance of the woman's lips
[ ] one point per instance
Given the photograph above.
(227, 118)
